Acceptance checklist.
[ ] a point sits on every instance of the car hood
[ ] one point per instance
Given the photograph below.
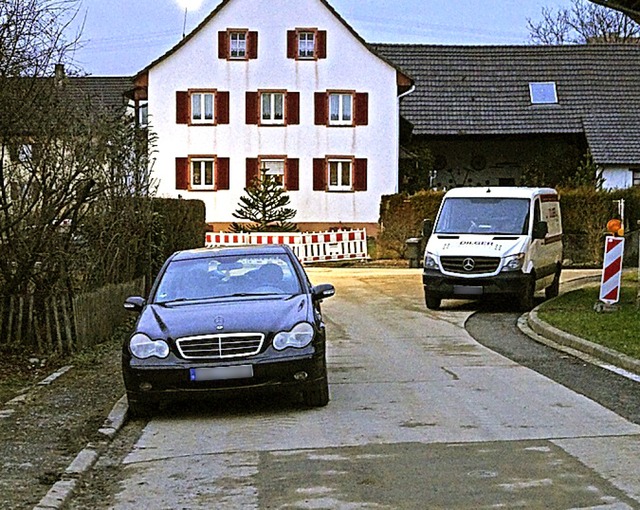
(262, 314)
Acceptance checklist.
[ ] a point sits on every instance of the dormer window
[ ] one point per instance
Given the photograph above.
(543, 92)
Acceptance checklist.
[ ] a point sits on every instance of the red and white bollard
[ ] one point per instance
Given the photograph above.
(612, 270)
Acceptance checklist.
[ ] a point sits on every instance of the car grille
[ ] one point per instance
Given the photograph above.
(220, 346)
(470, 265)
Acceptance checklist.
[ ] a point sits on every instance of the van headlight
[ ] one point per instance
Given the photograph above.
(300, 336)
(430, 261)
(513, 262)
(142, 347)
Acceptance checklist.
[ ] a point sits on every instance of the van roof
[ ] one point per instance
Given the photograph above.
(499, 192)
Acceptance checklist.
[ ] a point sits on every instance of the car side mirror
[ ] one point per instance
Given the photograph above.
(540, 230)
(322, 291)
(134, 303)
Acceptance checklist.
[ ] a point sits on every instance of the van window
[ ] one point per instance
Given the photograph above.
(506, 216)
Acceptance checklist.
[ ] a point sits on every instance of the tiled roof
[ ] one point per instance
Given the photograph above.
(484, 90)
(107, 91)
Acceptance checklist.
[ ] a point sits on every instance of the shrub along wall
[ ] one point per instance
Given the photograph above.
(585, 213)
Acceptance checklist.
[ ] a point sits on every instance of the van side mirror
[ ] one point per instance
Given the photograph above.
(427, 227)
(134, 303)
(540, 230)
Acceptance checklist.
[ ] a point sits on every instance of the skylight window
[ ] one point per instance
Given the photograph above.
(543, 92)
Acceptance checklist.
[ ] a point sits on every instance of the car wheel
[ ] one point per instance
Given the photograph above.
(554, 289)
(317, 395)
(526, 299)
(139, 409)
(432, 302)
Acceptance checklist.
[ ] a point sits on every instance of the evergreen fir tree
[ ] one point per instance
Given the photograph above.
(265, 207)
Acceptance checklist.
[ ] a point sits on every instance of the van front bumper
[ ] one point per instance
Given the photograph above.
(444, 286)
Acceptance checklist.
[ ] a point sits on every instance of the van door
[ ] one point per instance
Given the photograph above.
(542, 257)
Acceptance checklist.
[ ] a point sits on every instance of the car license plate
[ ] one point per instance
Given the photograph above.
(467, 290)
(220, 373)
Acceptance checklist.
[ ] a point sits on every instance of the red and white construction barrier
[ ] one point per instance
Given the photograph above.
(308, 246)
(612, 270)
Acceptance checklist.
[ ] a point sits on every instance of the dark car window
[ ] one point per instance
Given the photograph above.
(222, 276)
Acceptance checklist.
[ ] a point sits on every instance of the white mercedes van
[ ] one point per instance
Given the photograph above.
(487, 241)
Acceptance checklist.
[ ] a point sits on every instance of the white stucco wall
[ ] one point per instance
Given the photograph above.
(617, 178)
(348, 66)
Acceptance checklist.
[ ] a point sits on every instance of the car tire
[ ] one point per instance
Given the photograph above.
(526, 298)
(433, 302)
(317, 395)
(139, 409)
(554, 289)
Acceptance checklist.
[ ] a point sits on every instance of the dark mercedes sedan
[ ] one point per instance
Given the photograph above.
(224, 320)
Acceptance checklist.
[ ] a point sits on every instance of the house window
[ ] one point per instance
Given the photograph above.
(340, 175)
(636, 177)
(543, 92)
(143, 114)
(272, 108)
(306, 44)
(237, 44)
(340, 109)
(201, 175)
(202, 107)
(274, 168)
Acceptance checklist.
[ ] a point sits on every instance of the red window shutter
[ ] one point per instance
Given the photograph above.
(252, 114)
(252, 170)
(293, 107)
(292, 46)
(362, 109)
(222, 107)
(182, 173)
(360, 175)
(222, 173)
(292, 174)
(182, 107)
(319, 175)
(321, 39)
(223, 45)
(252, 45)
(321, 114)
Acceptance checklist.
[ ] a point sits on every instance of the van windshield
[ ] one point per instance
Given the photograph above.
(508, 216)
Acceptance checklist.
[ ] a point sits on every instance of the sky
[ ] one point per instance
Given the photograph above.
(120, 37)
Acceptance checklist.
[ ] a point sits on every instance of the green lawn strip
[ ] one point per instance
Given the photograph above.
(574, 313)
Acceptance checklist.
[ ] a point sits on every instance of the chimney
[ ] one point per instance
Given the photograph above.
(59, 75)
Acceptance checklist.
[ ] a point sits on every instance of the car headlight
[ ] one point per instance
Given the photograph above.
(141, 346)
(300, 336)
(513, 262)
(430, 261)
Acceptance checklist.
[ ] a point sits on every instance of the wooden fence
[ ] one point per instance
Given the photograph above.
(61, 323)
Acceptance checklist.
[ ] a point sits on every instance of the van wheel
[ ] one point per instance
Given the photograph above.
(526, 299)
(432, 302)
(554, 289)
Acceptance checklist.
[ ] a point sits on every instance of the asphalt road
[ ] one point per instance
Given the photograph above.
(422, 416)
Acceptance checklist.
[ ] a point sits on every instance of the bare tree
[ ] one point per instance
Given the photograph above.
(629, 7)
(64, 160)
(583, 23)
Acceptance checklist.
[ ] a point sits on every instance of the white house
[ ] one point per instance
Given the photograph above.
(285, 85)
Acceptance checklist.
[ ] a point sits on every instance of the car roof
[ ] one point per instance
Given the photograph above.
(249, 249)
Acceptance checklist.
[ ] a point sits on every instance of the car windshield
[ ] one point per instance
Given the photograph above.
(508, 216)
(227, 276)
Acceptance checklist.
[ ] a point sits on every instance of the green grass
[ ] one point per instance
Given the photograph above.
(574, 313)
